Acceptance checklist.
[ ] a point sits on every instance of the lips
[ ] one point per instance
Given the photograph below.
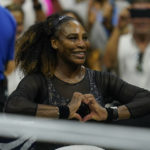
(79, 54)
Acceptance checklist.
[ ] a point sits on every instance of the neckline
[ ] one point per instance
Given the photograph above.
(71, 83)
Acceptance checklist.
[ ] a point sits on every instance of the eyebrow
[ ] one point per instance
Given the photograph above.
(76, 34)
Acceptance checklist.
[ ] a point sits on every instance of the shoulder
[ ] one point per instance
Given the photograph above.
(6, 15)
(105, 78)
(99, 75)
(37, 78)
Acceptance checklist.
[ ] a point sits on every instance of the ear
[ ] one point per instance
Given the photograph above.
(54, 43)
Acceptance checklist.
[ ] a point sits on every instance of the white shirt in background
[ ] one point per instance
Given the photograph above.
(128, 53)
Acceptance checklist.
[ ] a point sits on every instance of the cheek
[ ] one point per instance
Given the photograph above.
(69, 46)
(87, 44)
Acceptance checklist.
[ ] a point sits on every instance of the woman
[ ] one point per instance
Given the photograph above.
(57, 85)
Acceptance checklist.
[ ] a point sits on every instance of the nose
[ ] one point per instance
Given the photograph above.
(81, 43)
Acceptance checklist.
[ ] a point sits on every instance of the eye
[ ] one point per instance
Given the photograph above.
(73, 38)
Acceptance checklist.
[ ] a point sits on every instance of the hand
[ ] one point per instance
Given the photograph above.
(97, 111)
(74, 105)
(124, 21)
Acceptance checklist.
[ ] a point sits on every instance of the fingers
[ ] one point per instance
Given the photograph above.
(77, 97)
(89, 99)
(87, 117)
(86, 98)
(75, 104)
(77, 116)
(76, 94)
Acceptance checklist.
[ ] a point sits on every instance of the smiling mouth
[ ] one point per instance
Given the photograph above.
(79, 55)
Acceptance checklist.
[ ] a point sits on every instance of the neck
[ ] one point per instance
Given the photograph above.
(68, 70)
(69, 73)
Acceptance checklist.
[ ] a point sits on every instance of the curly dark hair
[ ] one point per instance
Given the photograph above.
(78, 17)
(34, 52)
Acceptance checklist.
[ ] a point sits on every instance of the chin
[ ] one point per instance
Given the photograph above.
(81, 62)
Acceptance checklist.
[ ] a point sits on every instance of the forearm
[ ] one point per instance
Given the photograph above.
(117, 113)
(110, 56)
(47, 111)
(123, 112)
(21, 106)
(40, 15)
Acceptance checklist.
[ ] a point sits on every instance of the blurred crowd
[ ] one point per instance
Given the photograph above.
(119, 35)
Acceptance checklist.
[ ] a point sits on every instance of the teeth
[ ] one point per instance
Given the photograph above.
(79, 52)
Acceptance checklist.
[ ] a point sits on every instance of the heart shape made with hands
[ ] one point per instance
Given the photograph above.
(83, 110)
(85, 107)
(91, 110)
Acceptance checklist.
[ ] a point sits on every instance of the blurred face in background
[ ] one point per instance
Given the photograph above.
(19, 19)
(18, 2)
(140, 18)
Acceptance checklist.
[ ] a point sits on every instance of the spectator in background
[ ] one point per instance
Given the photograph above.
(16, 75)
(100, 22)
(33, 11)
(80, 7)
(110, 55)
(7, 40)
(133, 51)
(17, 12)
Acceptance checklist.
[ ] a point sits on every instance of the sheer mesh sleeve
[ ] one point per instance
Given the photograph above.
(136, 99)
(25, 98)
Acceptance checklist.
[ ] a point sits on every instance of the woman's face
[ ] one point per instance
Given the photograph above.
(72, 44)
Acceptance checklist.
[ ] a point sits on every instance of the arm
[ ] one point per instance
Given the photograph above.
(91, 15)
(99, 113)
(136, 100)
(25, 98)
(53, 111)
(40, 15)
(47, 111)
(110, 57)
(28, 98)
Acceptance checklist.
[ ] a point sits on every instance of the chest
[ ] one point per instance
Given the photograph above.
(60, 93)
